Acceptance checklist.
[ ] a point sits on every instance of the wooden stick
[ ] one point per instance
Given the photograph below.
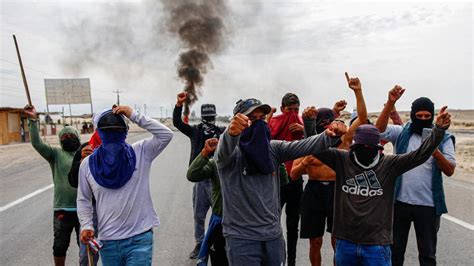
(25, 84)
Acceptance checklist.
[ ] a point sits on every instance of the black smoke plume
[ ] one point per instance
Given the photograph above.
(201, 29)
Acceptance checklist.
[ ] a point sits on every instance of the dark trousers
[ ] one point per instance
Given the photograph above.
(64, 222)
(217, 250)
(426, 224)
(291, 196)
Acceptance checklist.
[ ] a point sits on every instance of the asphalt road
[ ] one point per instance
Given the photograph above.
(26, 228)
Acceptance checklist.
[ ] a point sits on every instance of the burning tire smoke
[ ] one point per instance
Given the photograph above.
(200, 27)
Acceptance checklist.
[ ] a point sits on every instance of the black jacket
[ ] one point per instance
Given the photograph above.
(195, 133)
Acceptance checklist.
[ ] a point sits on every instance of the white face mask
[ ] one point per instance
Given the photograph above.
(374, 163)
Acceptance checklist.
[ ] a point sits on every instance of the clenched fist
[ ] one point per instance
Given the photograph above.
(238, 124)
(336, 129)
(209, 147)
(181, 97)
(310, 113)
(339, 106)
(87, 235)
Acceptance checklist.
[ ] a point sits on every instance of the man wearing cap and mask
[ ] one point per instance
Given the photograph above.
(117, 176)
(364, 192)
(419, 192)
(198, 134)
(60, 160)
(248, 166)
(317, 203)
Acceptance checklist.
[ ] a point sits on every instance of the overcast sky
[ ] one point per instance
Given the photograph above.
(272, 47)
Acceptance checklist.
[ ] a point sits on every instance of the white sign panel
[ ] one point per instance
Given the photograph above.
(67, 91)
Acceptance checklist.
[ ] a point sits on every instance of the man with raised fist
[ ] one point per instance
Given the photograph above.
(419, 192)
(248, 166)
(198, 134)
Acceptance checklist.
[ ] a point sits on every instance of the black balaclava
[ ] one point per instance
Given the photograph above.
(324, 119)
(71, 144)
(421, 104)
(366, 154)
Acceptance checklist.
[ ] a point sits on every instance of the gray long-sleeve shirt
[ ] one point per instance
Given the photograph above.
(126, 211)
(251, 203)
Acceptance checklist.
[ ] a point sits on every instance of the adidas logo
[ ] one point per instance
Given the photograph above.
(365, 184)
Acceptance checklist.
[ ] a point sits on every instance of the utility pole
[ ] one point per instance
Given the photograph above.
(118, 96)
(161, 110)
(144, 108)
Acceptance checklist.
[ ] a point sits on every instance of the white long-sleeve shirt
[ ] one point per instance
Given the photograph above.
(127, 211)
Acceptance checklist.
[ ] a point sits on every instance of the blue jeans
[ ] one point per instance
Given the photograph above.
(350, 253)
(255, 253)
(201, 204)
(135, 250)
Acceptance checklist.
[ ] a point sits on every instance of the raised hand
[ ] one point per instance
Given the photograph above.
(395, 94)
(30, 111)
(336, 129)
(238, 124)
(310, 113)
(123, 109)
(296, 127)
(181, 97)
(210, 146)
(339, 106)
(354, 83)
(443, 119)
(86, 151)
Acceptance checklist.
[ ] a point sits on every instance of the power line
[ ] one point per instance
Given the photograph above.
(29, 68)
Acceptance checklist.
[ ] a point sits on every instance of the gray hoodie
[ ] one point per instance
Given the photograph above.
(251, 203)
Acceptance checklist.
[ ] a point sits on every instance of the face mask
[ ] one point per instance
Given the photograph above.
(421, 104)
(366, 157)
(70, 144)
(255, 145)
(419, 124)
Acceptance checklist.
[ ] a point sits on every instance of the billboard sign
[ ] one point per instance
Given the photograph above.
(67, 91)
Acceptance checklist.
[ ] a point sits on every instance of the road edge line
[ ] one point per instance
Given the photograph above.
(459, 222)
(20, 200)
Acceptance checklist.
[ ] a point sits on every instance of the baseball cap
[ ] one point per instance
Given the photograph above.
(247, 106)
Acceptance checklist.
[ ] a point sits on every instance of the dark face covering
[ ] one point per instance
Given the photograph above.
(366, 154)
(324, 119)
(70, 144)
(255, 146)
(421, 104)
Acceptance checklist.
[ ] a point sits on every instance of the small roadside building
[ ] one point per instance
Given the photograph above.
(12, 125)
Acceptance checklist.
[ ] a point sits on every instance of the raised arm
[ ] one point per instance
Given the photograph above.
(202, 168)
(408, 161)
(356, 86)
(395, 117)
(44, 149)
(338, 107)
(291, 150)
(309, 120)
(177, 120)
(393, 96)
(161, 135)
